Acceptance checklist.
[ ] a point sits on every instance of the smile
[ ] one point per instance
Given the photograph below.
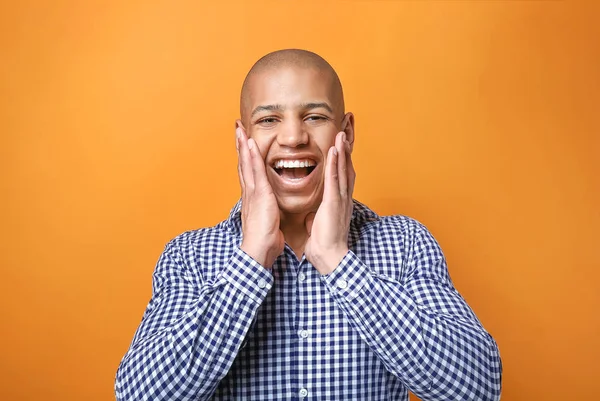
(294, 169)
(294, 174)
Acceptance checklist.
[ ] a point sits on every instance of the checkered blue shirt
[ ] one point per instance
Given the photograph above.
(388, 320)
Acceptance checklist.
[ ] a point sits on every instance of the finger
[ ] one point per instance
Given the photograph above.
(241, 177)
(245, 162)
(341, 165)
(351, 171)
(331, 190)
(259, 171)
(239, 164)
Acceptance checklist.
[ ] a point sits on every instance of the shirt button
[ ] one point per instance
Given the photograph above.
(301, 277)
(304, 333)
(303, 392)
(341, 284)
(262, 283)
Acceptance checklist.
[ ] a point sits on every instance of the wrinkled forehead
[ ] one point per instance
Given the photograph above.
(290, 86)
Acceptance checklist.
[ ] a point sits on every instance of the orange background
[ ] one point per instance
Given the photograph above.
(480, 119)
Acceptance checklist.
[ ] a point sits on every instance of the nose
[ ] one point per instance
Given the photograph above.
(292, 134)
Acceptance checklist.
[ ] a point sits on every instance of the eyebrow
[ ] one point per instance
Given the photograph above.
(304, 106)
(268, 107)
(323, 105)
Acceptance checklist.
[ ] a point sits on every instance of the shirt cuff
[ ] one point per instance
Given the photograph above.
(349, 278)
(247, 275)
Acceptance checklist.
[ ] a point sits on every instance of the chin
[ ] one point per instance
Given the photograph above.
(298, 204)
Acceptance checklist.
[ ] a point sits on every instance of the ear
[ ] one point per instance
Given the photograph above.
(239, 124)
(348, 128)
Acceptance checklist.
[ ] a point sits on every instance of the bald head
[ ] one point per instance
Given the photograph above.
(290, 58)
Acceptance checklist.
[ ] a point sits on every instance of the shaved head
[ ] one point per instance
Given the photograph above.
(292, 108)
(291, 58)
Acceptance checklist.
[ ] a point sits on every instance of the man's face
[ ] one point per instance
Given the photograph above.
(294, 114)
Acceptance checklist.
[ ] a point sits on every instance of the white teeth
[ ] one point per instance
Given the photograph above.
(294, 163)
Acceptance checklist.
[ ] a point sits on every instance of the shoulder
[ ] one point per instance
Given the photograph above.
(395, 226)
(415, 236)
(402, 225)
(200, 253)
(394, 245)
(404, 234)
(201, 239)
(422, 254)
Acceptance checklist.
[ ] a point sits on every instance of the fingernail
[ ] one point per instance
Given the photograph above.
(344, 137)
(238, 132)
(334, 151)
(250, 144)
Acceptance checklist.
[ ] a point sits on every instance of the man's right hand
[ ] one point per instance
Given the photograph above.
(262, 238)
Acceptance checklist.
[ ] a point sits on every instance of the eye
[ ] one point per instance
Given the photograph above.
(316, 118)
(267, 121)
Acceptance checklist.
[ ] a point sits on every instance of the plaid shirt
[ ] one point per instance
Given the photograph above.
(220, 326)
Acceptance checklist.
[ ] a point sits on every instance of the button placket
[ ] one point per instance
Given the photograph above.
(342, 284)
(304, 325)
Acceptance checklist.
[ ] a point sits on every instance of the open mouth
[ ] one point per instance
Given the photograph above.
(294, 169)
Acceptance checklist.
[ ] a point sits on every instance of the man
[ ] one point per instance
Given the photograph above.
(303, 293)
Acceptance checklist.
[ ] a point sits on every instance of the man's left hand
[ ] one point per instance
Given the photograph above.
(328, 228)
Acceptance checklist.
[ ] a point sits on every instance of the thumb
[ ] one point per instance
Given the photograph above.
(308, 222)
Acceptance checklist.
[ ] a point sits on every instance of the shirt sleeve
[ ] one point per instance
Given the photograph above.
(190, 334)
(420, 326)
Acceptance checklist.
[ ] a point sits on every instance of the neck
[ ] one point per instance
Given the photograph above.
(294, 231)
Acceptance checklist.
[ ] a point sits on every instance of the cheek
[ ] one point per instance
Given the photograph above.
(264, 143)
(324, 140)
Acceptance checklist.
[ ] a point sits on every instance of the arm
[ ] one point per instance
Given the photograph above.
(191, 334)
(421, 328)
